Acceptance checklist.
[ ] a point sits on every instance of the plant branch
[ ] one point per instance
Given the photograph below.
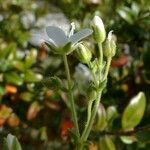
(120, 132)
(89, 124)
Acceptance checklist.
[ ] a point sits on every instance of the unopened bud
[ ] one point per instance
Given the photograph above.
(92, 95)
(83, 54)
(110, 46)
(101, 120)
(99, 29)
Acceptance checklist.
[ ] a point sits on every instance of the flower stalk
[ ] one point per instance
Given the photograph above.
(72, 104)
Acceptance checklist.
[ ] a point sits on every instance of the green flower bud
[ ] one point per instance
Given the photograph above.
(101, 121)
(83, 53)
(92, 95)
(99, 29)
(110, 46)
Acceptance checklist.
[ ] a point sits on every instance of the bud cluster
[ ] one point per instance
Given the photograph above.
(100, 36)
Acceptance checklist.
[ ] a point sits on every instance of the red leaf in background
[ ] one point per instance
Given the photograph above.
(11, 89)
(33, 110)
(2, 121)
(121, 61)
(13, 120)
(65, 126)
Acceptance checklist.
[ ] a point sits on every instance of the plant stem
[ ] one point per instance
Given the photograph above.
(72, 104)
(89, 110)
(89, 124)
(107, 67)
(100, 59)
(100, 53)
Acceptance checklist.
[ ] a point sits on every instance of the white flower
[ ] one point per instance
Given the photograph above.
(61, 43)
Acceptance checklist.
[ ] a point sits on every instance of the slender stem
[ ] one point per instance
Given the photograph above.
(100, 53)
(72, 104)
(100, 59)
(89, 110)
(107, 67)
(90, 123)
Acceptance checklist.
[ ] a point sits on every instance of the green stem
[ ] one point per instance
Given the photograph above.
(100, 59)
(72, 104)
(107, 67)
(100, 53)
(89, 110)
(89, 124)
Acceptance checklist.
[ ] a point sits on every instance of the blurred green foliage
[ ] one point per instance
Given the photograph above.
(34, 109)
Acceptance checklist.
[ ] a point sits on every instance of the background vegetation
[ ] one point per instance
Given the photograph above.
(31, 106)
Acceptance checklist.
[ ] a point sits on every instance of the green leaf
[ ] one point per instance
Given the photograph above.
(30, 58)
(135, 9)
(26, 96)
(106, 143)
(2, 90)
(11, 143)
(13, 78)
(19, 65)
(8, 52)
(30, 76)
(43, 134)
(128, 139)
(53, 83)
(112, 114)
(134, 111)
(126, 14)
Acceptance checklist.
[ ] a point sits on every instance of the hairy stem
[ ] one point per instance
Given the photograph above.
(72, 104)
(89, 124)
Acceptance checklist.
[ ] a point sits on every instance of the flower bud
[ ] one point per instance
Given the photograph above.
(110, 46)
(99, 29)
(91, 95)
(101, 121)
(83, 53)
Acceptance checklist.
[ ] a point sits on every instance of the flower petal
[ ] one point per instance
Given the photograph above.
(57, 35)
(80, 35)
